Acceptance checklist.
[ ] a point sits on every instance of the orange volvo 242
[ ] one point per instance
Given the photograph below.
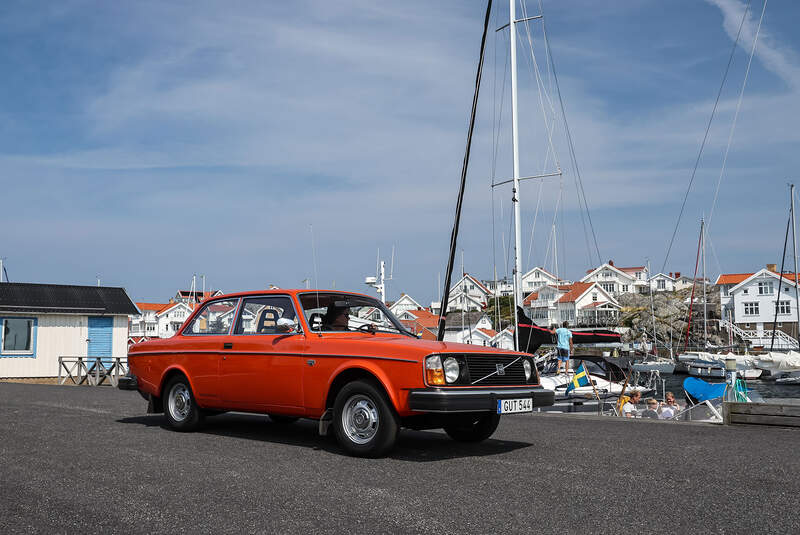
(340, 358)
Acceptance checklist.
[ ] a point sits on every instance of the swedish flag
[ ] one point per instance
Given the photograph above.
(581, 378)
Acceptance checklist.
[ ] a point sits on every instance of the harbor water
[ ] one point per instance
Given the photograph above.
(767, 389)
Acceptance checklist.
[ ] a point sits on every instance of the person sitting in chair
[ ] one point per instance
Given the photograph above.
(336, 318)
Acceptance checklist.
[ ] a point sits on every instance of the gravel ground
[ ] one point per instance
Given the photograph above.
(89, 460)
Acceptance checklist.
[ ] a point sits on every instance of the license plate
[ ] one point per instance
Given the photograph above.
(507, 406)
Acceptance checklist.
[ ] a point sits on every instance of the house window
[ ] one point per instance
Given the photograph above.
(765, 288)
(471, 286)
(594, 297)
(18, 336)
(607, 286)
(751, 309)
(725, 289)
(530, 284)
(624, 287)
(661, 284)
(536, 275)
(783, 307)
(744, 291)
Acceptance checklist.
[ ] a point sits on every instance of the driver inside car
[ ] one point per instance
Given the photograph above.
(336, 318)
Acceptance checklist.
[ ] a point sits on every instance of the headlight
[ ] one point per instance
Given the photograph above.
(526, 365)
(451, 370)
(434, 373)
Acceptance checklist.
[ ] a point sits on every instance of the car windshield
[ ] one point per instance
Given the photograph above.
(328, 311)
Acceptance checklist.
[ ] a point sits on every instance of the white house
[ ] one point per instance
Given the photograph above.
(499, 288)
(471, 288)
(754, 301)
(480, 332)
(158, 320)
(504, 339)
(538, 277)
(662, 282)
(406, 302)
(580, 303)
(41, 322)
(616, 280)
(459, 301)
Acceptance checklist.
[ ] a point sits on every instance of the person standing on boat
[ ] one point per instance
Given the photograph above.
(563, 346)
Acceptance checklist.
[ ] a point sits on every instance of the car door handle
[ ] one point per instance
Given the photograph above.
(227, 345)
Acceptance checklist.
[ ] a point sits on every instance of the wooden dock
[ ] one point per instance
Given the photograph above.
(779, 412)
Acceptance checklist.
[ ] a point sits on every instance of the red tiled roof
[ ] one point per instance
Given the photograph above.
(594, 304)
(488, 332)
(574, 291)
(631, 269)
(736, 278)
(155, 307)
(533, 296)
(424, 318)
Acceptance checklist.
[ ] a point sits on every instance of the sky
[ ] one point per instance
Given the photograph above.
(262, 143)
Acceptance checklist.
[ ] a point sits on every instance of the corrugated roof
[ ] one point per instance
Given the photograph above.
(64, 299)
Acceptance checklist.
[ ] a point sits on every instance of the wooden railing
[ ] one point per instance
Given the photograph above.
(92, 371)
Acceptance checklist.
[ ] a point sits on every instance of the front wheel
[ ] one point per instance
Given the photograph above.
(473, 427)
(180, 408)
(365, 423)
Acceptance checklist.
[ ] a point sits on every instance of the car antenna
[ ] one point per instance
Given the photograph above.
(314, 262)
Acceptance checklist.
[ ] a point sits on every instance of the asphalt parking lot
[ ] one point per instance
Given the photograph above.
(75, 459)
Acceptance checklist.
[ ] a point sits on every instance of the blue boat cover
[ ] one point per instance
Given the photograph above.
(701, 390)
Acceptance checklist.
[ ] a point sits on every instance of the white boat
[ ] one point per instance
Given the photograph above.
(777, 363)
(660, 366)
(604, 388)
(702, 368)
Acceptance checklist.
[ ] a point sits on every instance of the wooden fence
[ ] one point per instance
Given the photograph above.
(92, 371)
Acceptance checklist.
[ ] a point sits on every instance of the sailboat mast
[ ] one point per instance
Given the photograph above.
(515, 150)
(794, 252)
(705, 304)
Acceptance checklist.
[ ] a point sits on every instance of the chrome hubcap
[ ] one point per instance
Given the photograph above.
(180, 402)
(360, 419)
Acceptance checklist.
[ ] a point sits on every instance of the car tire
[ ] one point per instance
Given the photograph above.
(180, 408)
(283, 420)
(364, 421)
(473, 427)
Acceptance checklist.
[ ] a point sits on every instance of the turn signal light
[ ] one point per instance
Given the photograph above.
(434, 373)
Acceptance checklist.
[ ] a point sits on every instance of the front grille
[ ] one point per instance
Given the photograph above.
(481, 366)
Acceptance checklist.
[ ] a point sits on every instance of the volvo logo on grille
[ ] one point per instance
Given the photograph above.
(501, 370)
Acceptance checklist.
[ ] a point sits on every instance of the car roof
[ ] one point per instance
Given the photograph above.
(284, 291)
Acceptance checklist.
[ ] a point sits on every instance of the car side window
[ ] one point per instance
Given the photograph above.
(215, 318)
(272, 314)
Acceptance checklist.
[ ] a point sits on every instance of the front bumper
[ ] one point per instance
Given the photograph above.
(473, 399)
(128, 382)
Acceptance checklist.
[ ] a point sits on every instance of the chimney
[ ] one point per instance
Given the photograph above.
(677, 274)
(670, 275)
(772, 267)
(610, 262)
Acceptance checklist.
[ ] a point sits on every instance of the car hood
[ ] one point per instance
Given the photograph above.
(395, 346)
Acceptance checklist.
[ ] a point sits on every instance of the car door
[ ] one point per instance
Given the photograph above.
(262, 369)
(202, 342)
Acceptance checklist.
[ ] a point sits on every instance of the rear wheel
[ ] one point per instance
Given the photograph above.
(475, 427)
(364, 421)
(180, 408)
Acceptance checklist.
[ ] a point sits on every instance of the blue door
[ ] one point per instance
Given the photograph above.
(101, 331)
